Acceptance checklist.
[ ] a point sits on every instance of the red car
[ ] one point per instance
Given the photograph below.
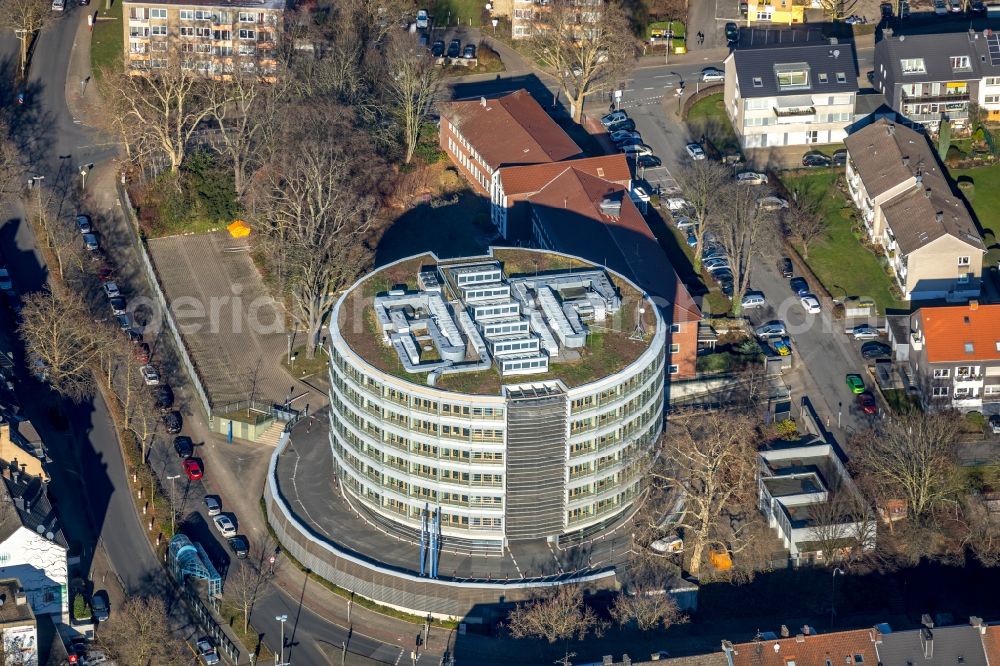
(193, 469)
(866, 401)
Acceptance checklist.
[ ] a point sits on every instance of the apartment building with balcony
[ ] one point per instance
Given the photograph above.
(910, 211)
(791, 88)
(211, 38)
(953, 356)
(525, 15)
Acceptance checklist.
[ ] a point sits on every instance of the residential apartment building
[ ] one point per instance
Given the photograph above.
(952, 354)
(482, 135)
(775, 12)
(212, 38)
(790, 88)
(525, 14)
(911, 213)
(933, 77)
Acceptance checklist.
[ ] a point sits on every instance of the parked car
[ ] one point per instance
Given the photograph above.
(636, 150)
(886, 9)
(124, 321)
(815, 160)
(782, 347)
(648, 161)
(695, 151)
(839, 157)
(238, 544)
(732, 33)
(437, 49)
(864, 332)
(677, 203)
(753, 299)
(614, 117)
(810, 303)
(772, 203)
(469, 52)
(173, 421)
(111, 290)
(799, 286)
(722, 275)
(712, 75)
(164, 396)
(752, 178)
(715, 263)
(118, 305)
(630, 141)
(873, 350)
(995, 424)
(940, 8)
(425, 40)
(212, 505)
(683, 222)
(726, 287)
(183, 446)
(454, 48)
(225, 525)
(90, 242)
(192, 468)
(855, 383)
(99, 606)
(142, 352)
(956, 6)
(627, 124)
(691, 239)
(207, 652)
(150, 375)
(6, 284)
(866, 401)
(83, 224)
(978, 8)
(785, 267)
(422, 19)
(619, 136)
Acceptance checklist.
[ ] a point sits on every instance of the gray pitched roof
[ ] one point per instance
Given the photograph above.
(937, 50)
(944, 645)
(758, 61)
(24, 502)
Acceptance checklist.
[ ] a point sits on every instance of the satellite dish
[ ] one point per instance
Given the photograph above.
(50, 536)
(836, 53)
(40, 529)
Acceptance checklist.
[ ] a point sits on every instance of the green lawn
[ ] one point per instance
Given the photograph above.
(454, 12)
(984, 197)
(708, 117)
(107, 46)
(841, 263)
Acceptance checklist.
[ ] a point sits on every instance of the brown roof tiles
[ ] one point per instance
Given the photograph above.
(527, 179)
(961, 332)
(837, 649)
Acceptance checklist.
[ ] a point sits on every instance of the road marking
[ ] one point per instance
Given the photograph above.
(402, 651)
(628, 90)
(649, 88)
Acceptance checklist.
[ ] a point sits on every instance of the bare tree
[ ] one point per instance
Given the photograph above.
(700, 182)
(318, 199)
(587, 47)
(837, 9)
(803, 223)
(412, 87)
(981, 522)
(843, 527)
(138, 633)
(25, 18)
(61, 341)
(57, 237)
(744, 230)
(712, 460)
(248, 581)
(911, 458)
(165, 105)
(648, 609)
(11, 165)
(558, 616)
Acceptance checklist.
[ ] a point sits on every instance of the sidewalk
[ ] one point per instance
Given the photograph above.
(82, 98)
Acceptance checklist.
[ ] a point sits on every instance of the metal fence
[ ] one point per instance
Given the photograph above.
(205, 618)
(161, 299)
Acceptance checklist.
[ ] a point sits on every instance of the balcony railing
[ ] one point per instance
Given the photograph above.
(931, 99)
(935, 117)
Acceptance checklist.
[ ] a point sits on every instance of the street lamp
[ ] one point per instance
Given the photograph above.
(83, 175)
(494, 22)
(281, 648)
(173, 513)
(837, 571)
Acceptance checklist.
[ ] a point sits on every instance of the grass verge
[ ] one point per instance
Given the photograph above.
(455, 12)
(302, 366)
(841, 262)
(107, 44)
(707, 117)
(984, 197)
(231, 614)
(339, 591)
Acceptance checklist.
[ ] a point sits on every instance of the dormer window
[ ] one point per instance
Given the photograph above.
(792, 76)
(841, 77)
(822, 77)
(758, 82)
(913, 66)
(960, 63)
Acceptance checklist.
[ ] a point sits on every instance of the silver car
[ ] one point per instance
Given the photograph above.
(772, 329)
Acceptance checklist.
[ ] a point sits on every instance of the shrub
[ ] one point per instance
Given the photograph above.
(944, 139)
(966, 186)
(786, 429)
(81, 609)
(975, 422)
(208, 184)
(715, 363)
(839, 311)
(955, 155)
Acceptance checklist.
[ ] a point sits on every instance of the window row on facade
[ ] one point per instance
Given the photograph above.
(618, 391)
(213, 15)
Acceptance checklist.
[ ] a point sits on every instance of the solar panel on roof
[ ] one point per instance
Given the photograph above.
(993, 43)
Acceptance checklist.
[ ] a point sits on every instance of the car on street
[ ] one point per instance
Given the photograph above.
(782, 347)
(225, 525)
(772, 203)
(124, 321)
(620, 136)
(815, 160)
(212, 505)
(193, 469)
(712, 75)
(164, 396)
(422, 19)
(726, 287)
(111, 290)
(239, 545)
(207, 652)
(614, 117)
(865, 332)
(83, 224)
(437, 49)
(866, 402)
(691, 239)
(99, 606)
(732, 33)
(886, 9)
(713, 252)
(677, 203)
(722, 275)
(184, 446)
(6, 284)
(810, 304)
(753, 299)
(873, 350)
(785, 267)
(715, 263)
(956, 6)
(173, 422)
(90, 242)
(978, 8)
(772, 329)
(995, 424)
(648, 161)
(118, 305)
(469, 52)
(695, 151)
(799, 286)
(636, 150)
(141, 352)
(454, 48)
(628, 124)
(940, 8)
(751, 178)
(839, 158)
(855, 383)
(683, 222)
(150, 375)
(628, 141)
